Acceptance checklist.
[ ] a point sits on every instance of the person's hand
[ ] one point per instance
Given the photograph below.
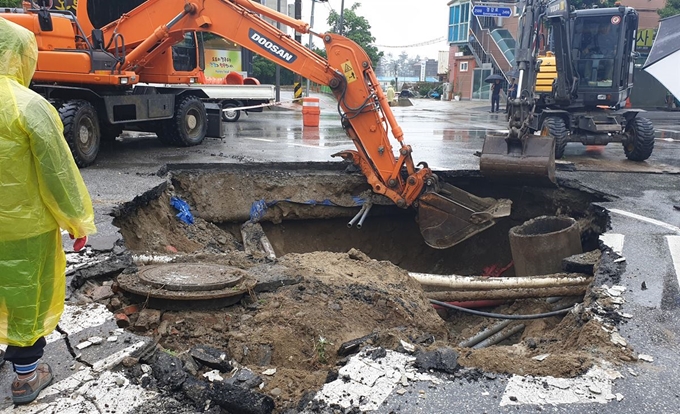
(78, 243)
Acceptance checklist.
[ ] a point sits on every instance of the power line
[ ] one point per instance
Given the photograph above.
(428, 42)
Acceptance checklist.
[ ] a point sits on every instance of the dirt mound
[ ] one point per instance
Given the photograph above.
(299, 328)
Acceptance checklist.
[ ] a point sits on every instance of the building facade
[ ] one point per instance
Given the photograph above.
(480, 46)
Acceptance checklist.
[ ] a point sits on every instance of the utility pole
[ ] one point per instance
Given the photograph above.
(342, 12)
(297, 83)
(278, 68)
(309, 45)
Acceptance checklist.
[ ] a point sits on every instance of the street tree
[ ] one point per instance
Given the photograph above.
(10, 3)
(265, 71)
(589, 4)
(671, 9)
(356, 28)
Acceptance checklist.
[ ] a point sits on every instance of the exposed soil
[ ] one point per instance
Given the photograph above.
(343, 295)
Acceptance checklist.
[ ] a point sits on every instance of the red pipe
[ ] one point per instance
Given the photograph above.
(470, 304)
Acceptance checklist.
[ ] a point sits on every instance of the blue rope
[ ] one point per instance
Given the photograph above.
(259, 208)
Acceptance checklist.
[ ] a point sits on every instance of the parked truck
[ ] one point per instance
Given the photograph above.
(192, 53)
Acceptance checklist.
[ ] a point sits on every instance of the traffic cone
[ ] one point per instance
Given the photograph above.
(628, 105)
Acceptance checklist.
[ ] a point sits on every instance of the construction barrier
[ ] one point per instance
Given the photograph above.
(297, 90)
(310, 112)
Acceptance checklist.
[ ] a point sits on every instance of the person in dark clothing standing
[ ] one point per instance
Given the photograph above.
(495, 95)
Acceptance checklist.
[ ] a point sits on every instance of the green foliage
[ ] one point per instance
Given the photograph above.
(588, 4)
(358, 29)
(424, 88)
(10, 3)
(672, 8)
(321, 351)
(265, 71)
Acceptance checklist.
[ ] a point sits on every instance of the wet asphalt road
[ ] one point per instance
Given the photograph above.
(446, 135)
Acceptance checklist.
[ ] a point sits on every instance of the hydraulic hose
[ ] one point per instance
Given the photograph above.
(500, 315)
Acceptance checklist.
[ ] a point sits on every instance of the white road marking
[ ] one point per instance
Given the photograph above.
(77, 318)
(674, 246)
(649, 220)
(261, 139)
(365, 383)
(614, 241)
(593, 387)
(91, 390)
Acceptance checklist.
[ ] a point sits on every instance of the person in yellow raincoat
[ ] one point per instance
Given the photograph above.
(41, 191)
(390, 95)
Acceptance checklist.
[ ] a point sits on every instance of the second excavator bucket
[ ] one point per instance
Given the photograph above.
(450, 215)
(530, 159)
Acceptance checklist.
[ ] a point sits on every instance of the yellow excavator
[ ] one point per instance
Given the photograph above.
(575, 92)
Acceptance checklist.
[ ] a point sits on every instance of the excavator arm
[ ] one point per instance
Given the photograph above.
(521, 155)
(446, 214)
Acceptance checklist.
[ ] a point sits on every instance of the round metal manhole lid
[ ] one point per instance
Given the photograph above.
(188, 282)
(191, 277)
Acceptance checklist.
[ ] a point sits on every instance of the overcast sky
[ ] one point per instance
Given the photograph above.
(393, 22)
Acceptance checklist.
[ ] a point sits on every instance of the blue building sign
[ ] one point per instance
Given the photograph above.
(489, 11)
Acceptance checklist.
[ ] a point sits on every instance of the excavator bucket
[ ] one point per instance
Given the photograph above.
(530, 159)
(450, 215)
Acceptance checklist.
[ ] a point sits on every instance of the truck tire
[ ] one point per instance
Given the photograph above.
(81, 130)
(640, 142)
(189, 125)
(230, 116)
(554, 126)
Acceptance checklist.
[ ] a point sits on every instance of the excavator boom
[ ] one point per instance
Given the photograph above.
(447, 215)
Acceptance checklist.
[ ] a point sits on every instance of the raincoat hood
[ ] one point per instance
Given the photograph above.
(18, 52)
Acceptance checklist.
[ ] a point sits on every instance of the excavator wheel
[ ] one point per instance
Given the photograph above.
(189, 125)
(554, 126)
(640, 143)
(230, 116)
(81, 130)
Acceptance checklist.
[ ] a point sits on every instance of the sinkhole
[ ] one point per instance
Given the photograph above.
(306, 207)
(340, 284)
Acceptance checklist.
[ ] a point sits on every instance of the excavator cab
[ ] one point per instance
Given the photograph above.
(603, 49)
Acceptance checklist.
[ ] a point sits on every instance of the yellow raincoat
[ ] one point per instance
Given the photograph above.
(41, 190)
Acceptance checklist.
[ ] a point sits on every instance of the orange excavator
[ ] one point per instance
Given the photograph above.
(91, 70)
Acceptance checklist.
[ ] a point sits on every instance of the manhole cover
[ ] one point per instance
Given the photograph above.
(187, 282)
(191, 277)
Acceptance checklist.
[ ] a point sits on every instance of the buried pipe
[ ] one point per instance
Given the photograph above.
(487, 333)
(499, 337)
(509, 293)
(458, 282)
(484, 334)
(359, 215)
(363, 216)
(474, 303)
(503, 316)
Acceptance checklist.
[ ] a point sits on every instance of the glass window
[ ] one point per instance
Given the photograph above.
(184, 54)
(459, 16)
(481, 89)
(597, 40)
(463, 66)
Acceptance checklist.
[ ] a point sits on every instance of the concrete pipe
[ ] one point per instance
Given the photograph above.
(539, 245)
